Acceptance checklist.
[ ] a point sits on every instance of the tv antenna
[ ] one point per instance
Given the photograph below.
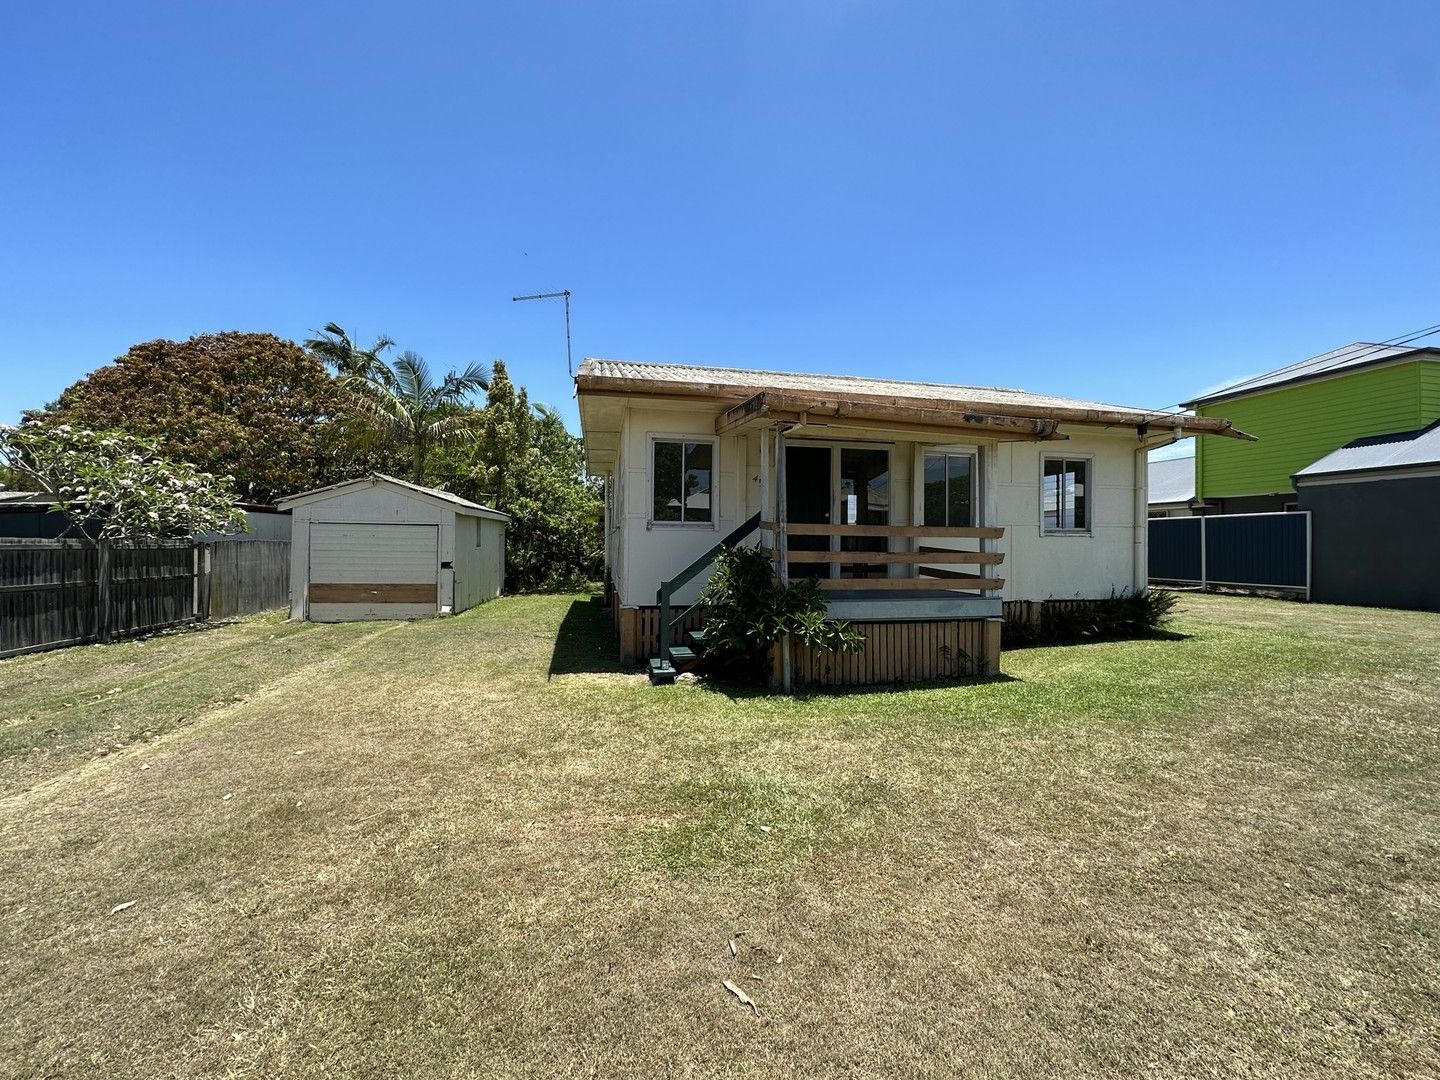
(569, 364)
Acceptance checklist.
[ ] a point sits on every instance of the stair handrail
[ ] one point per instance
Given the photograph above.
(683, 578)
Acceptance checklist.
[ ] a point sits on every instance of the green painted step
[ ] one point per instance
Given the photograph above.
(661, 671)
(679, 654)
(697, 637)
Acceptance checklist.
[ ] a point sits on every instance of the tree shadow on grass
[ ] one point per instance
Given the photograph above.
(586, 642)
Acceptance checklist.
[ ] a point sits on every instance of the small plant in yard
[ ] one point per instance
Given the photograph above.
(118, 484)
(1121, 615)
(747, 611)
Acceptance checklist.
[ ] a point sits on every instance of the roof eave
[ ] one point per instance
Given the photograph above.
(586, 384)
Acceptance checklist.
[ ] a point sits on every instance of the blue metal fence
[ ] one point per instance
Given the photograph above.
(1267, 551)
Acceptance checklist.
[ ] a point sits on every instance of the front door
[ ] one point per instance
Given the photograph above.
(808, 502)
(845, 484)
(864, 486)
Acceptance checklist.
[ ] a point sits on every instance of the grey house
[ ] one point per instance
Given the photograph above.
(1375, 517)
(1171, 490)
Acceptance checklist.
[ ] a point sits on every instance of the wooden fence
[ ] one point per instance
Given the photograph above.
(55, 593)
(244, 576)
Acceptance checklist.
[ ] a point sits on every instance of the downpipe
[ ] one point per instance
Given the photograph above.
(1139, 563)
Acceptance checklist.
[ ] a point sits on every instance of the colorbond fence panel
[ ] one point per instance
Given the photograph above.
(1265, 551)
(1177, 550)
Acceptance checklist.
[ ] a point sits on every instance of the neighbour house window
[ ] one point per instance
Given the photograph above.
(681, 478)
(1064, 502)
(950, 489)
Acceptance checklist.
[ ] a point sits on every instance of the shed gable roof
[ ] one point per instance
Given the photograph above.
(433, 495)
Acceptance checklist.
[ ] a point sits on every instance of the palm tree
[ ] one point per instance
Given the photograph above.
(402, 404)
(335, 347)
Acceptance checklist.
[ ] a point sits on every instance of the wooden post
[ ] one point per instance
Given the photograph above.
(782, 549)
(989, 513)
(102, 591)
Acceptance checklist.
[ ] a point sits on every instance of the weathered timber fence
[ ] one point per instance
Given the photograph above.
(239, 577)
(55, 593)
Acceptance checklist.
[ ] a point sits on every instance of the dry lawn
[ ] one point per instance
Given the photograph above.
(469, 848)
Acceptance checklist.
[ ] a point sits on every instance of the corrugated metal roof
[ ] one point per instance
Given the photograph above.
(1400, 450)
(434, 493)
(1172, 480)
(841, 385)
(1357, 354)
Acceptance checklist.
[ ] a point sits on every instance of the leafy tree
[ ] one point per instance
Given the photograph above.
(524, 462)
(119, 485)
(404, 408)
(334, 346)
(251, 405)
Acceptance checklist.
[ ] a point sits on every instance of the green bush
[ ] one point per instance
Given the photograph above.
(1121, 615)
(747, 611)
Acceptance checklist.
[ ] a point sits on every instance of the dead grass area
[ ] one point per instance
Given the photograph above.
(469, 847)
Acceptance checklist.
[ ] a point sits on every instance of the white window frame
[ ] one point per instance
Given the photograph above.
(977, 501)
(1089, 460)
(664, 436)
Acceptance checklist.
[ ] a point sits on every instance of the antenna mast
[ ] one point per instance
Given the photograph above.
(569, 363)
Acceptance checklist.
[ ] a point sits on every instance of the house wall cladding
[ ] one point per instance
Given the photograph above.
(1087, 565)
(1299, 424)
(1395, 523)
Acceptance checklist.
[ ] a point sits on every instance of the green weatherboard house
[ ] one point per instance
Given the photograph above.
(1303, 412)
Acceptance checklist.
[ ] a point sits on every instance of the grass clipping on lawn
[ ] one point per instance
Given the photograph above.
(471, 847)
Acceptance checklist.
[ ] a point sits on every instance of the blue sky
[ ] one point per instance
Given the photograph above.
(1120, 201)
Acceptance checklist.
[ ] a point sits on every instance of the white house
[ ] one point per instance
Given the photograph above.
(381, 548)
(919, 504)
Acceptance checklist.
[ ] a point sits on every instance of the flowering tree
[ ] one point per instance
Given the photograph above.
(119, 483)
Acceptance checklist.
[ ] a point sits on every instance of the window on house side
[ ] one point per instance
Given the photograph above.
(681, 481)
(1063, 495)
(949, 490)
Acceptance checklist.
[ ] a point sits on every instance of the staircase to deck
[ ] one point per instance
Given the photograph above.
(673, 658)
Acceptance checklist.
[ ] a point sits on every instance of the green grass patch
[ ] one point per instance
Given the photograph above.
(757, 824)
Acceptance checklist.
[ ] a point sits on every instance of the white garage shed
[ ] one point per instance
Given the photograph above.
(379, 548)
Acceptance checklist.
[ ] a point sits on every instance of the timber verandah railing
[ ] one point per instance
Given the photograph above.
(933, 566)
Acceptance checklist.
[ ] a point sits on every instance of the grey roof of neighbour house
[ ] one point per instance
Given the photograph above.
(1172, 480)
(1399, 450)
(1359, 354)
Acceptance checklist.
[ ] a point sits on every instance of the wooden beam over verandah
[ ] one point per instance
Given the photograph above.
(804, 410)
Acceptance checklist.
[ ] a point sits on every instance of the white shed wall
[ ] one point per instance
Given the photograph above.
(479, 560)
